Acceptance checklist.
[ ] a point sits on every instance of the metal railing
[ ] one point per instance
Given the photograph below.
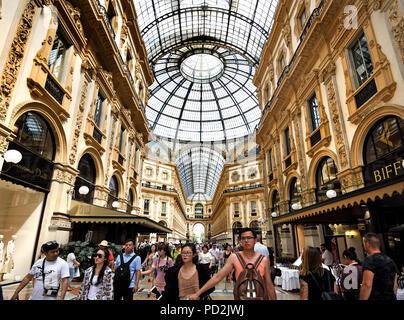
(254, 186)
(316, 13)
(103, 12)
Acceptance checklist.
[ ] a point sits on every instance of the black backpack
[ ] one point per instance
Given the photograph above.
(122, 276)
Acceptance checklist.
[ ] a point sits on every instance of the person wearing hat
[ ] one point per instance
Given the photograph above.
(104, 245)
(50, 273)
(176, 251)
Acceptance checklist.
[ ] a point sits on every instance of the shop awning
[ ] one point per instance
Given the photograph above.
(324, 211)
(81, 212)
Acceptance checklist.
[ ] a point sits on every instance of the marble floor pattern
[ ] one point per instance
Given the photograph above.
(223, 291)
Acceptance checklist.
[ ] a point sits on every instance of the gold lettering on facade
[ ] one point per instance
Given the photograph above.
(384, 173)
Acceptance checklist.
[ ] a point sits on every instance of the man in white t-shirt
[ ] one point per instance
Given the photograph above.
(260, 248)
(326, 256)
(214, 252)
(51, 271)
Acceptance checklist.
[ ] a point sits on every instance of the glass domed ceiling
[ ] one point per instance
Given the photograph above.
(203, 93)
(202, 68)
(204, 54)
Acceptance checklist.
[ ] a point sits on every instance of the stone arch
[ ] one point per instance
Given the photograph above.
(294, 174)
(314, 164)
(365, 125)
(52, 119)
(271, 194)
(121, 184)
(95, 155)
(134, 193)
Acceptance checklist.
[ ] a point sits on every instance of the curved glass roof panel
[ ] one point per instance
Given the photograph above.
(203, 93)
(200, 168)
(243, 25)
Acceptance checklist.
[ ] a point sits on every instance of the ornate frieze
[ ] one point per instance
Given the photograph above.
(15, 57)
(396, 18)
(79, 123)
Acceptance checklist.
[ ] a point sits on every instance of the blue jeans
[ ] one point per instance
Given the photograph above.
(71, 270)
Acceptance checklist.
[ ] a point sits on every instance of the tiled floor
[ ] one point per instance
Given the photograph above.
(223, 291)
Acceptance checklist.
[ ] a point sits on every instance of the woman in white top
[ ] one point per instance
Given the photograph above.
(98, 279)
(72, 263)
(205, 258)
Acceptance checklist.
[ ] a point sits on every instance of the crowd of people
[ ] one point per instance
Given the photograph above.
(191, 271)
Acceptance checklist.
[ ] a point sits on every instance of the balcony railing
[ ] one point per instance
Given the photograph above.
(101, 9)
(366, 93)
(146, 185)
(254, 186)
(315, 138)
(53, 88)
(316, 13)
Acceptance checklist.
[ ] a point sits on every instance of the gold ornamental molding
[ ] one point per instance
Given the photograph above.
(15, 57)
(371, 195)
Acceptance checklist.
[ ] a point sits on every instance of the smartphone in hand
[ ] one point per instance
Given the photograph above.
(156, 292)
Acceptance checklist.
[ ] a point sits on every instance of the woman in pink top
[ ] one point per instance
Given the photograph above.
(161, 265)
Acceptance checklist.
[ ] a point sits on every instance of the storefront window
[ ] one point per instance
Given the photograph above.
(275, 202)
(384, 150)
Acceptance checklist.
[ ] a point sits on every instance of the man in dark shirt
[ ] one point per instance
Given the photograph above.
(379, 272)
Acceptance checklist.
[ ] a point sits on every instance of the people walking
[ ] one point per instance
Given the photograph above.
(350, 279)
(314, 278)
(187, 277)
(50, 274)
(147, 265)
(98, 279)
(260, 248)
(215, 255)
(161, 264)
(104, 245)
(326, 256)
(380, 273)
(73, 264)
(205, 259)
(263, 287)
(127, 272)
(226, 255)
(176, 251)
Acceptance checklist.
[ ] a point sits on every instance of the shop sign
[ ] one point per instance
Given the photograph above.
(32, 169)
(389, 171)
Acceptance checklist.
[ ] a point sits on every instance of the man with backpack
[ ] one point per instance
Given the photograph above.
(252, 270)
(127, 274)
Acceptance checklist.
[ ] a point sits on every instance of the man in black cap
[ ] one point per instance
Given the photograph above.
(50, 273)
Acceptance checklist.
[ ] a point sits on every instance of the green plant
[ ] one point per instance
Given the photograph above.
(84, 253)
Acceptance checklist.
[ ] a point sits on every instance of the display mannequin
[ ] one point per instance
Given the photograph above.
(8, 265)
(1, 257)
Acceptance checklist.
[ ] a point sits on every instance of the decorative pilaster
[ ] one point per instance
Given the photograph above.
(15, 57)
(327, 77)
(396, 18)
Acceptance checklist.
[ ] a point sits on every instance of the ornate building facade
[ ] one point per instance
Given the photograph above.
(330, 86)
(74, 79)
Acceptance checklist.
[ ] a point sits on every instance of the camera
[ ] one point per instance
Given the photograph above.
(163, 268)
(51, 292)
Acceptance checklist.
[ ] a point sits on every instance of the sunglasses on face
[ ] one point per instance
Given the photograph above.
(98, 255)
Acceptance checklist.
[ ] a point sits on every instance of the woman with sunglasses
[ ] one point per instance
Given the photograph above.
(186, 278)
(98, 279)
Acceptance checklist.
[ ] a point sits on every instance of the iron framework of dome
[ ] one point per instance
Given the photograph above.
(203, 54)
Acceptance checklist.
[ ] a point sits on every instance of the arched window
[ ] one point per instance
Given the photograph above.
(295, 193)
(254, 224)
(326, 178)
(86, 177)
(384, 145)
(237, 225)
(275, 202)
(113, 191)
(130, 201)
(35, 134)
(198, 210)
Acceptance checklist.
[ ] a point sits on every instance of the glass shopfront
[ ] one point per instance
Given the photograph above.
(23, 191)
